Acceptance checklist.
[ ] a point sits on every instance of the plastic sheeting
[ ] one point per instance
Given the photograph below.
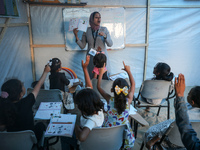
(135, 25)
(15, 57)
(173, 38)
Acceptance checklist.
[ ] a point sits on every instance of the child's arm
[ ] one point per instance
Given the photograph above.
(41, 81)
(132, 81)
(88, 82)
(101, 91)
(81, 133)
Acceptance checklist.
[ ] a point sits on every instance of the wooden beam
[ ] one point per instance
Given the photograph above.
(147, 39)
(48, 45)
(136, 45)
(31, 43)
(175, 6)
(14, 25)
(2, 25)
(4, 29)
(17, 24)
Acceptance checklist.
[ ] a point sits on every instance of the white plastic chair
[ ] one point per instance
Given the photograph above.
(108, 138)
(154, 89)
(21, 140)
(105, 84)
(53, 95)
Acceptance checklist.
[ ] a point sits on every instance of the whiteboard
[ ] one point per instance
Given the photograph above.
(112, 18)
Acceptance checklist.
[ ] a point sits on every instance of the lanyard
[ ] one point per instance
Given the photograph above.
(94, 37)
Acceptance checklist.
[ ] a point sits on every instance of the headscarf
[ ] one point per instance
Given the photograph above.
(93, 26)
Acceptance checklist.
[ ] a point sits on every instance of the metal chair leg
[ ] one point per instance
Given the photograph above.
(168, 110)
(158, 111)
(142, 145)
(135, 128)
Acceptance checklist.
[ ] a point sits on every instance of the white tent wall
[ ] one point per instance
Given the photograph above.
(15, 57)
(173, 38)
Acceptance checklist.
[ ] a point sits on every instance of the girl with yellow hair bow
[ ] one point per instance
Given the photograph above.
(118, 106)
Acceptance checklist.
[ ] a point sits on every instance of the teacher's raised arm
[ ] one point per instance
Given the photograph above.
(97, 37)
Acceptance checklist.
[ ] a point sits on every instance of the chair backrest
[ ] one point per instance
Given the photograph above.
(21, 140)
(155, 89)
(53, 95)
(106, 85)
(108, 138)
(175, 136)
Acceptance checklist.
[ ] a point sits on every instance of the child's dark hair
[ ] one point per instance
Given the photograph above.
(120, 100)
(194, 95)
(13, 88)
(88, 102)
(163, 72)
(99, 60)
(55, 64)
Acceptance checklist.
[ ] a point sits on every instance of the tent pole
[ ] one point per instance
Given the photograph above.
(146, 40)
(31, 43)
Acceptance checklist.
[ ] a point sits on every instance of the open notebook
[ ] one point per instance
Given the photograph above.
(61, 125)
(48, 109)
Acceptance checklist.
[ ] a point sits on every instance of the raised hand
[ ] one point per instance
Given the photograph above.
(180, 85)
(84, 65)
(102, 70)
(47, 68)
(126, 68)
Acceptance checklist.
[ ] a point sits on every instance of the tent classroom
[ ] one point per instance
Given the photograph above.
(153, 31)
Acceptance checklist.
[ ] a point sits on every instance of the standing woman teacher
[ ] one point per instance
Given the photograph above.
(96, 36)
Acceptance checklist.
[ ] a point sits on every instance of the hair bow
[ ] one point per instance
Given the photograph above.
(4, 94)
(49, 62)
(118, 90)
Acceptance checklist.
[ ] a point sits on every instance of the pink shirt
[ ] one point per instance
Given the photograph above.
(96, 70)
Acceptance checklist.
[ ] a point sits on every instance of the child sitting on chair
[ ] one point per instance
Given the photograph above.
(91, 108)
(15, 111)
(90, 105)
(118, 106)
(57, 79)
(99, 60)
(183, 118)
(161, 72)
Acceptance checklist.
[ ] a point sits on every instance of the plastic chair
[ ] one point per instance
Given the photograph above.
(21, 140)
(108, 138)
(53, 95)
(105, 84)
(173, 135)
(154, 89)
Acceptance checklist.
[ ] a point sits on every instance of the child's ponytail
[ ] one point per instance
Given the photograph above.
(120, 88)
(120, 102)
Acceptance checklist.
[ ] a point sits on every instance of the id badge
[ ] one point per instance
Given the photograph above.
(92, 52)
